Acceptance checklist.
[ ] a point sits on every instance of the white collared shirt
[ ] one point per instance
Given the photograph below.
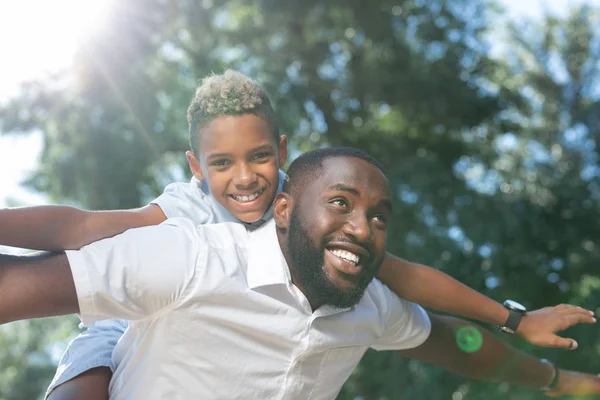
(217, 317)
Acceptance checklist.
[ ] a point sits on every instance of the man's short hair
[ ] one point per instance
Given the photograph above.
(231, 93)
(309, 165)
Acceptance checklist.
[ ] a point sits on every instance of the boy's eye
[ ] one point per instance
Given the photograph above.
(220, 163)
(260, 156)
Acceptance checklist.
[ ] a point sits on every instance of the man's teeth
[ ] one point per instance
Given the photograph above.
(346, 256)
(245, 199)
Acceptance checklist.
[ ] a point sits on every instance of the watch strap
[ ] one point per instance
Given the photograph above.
(514, 319)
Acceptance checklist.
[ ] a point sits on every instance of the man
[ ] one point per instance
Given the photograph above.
(285, 311)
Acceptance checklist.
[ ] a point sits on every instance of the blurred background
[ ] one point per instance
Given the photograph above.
(486, 115)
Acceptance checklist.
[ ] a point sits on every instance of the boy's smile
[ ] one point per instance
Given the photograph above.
(240, 161)
(246, 199)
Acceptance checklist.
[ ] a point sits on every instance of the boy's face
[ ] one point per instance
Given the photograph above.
(240, 161)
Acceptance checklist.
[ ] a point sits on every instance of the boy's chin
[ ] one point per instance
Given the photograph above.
(250, 217)
(248, 212)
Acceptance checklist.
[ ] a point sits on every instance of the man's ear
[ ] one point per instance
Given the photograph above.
(282, 151)
(282, 210)
(194, 165)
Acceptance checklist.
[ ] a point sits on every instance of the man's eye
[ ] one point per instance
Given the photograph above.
(380, 218)
(219, 163)
(339, 202)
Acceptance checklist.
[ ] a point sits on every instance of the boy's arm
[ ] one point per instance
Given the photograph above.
(434, 289)
(57, 228)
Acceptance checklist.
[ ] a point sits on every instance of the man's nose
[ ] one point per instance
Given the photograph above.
(359, 229)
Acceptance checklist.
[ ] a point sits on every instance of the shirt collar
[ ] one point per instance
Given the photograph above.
(266, 264)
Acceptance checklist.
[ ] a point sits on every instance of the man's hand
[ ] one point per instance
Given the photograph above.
(539, 327)
(575, 383)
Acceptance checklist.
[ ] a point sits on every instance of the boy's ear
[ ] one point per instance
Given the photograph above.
(282, 210)
(194, 165)
(282, 151)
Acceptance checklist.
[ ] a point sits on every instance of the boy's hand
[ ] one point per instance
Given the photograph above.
(539, 327)
(575, 383)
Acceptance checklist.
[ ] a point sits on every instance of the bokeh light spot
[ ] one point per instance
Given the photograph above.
(469, 339)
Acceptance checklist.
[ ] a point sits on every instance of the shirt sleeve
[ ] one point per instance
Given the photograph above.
(137, 274)
(406, 324)
(186, 200)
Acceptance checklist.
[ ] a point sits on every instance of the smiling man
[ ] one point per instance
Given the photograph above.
(283, 311)
(335, 247)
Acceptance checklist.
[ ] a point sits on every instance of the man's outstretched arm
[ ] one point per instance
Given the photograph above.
(34, 286)
(130, 276)
(466, 349)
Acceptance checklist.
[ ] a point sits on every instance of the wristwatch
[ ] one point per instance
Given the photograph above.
(516, 312)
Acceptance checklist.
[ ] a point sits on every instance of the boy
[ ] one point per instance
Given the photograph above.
(235, 159)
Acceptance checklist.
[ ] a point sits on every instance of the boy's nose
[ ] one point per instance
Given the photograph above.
(245, 176)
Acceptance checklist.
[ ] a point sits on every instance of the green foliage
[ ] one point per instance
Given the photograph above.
(494, 161)
(29, 351)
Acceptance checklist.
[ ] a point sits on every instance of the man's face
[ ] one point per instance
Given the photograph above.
(337, 232)
(240, 161)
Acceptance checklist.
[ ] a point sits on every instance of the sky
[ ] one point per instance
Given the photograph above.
(37, 43)
(37, 37)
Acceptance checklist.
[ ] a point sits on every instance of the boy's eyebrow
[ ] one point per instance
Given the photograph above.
(259, 148)
(263, 147)
(216, 155)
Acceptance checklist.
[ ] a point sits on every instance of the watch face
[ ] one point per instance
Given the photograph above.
(514, 306)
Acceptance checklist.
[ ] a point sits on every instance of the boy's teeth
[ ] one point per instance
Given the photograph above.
(245, 199)
(346, 255)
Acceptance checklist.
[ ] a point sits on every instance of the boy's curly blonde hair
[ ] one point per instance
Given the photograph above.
(231, 93)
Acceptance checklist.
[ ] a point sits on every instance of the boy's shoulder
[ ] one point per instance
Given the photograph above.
(282, 179)
(193, 187)
(192, 200)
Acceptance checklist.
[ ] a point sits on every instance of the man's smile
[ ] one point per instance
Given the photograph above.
(344, 261)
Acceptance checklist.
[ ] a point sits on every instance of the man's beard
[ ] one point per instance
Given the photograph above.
(308, 262)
